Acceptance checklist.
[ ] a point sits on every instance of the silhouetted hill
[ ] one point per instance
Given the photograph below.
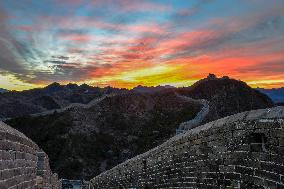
(53, 96)
(226, 96)
(144, 89)
(84, 141)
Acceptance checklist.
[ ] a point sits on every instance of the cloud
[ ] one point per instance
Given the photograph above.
(264, 68)
(26, 28)
(8, 57)
(55, 61)
(81, 40)
(132, 5)
(61, 57)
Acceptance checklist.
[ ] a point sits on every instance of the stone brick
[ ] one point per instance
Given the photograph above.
(18, 162)
(215, 155)
(280, 186)
(267, 175)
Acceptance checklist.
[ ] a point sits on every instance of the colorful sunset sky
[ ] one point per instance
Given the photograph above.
(125, 43)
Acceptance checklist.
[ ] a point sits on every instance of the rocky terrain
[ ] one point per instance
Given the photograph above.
(83, 141)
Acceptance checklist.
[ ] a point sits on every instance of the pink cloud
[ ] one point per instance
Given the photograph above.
(81, 38)
(87, 23)
(145, 28)
(26, 28)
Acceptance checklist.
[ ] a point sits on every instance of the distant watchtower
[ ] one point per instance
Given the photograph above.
(211, 76)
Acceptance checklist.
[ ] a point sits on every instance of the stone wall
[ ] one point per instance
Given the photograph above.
(19, 163)
(245, 150)
(45, 178)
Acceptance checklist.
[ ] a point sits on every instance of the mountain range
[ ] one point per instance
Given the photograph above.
(276, 94)
(87, 130)
(54, 96)
(3, 90)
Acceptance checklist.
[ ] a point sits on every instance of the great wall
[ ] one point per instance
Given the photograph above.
(23, 165)
(244, 150)
(71, 106)
(201, 115)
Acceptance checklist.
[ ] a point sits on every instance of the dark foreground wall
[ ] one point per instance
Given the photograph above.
(22, 164)
(245, 150)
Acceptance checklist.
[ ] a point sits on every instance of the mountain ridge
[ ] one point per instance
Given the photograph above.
(51, 97)
(3, 90)
(83, 142)
(276, 94)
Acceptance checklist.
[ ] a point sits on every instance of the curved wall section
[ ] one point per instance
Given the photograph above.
(19, 162)
(245, 150)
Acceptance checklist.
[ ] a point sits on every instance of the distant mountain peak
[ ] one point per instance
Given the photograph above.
(276, 94)
(151, 89)
(54, 84)
(3, 90)
(211, 76)
(71, 85)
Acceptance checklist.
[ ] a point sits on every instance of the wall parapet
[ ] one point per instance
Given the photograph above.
(19, 157)
(244, 150)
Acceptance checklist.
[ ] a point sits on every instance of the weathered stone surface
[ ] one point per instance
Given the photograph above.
(19, 162)
(240, 151)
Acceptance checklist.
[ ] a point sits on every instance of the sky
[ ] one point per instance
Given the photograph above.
(125, 43)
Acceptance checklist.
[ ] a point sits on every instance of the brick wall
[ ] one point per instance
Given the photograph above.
(45, 178)
(245, 150)
(19, 162)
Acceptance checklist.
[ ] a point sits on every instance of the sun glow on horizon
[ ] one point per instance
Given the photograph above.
(125, 43)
